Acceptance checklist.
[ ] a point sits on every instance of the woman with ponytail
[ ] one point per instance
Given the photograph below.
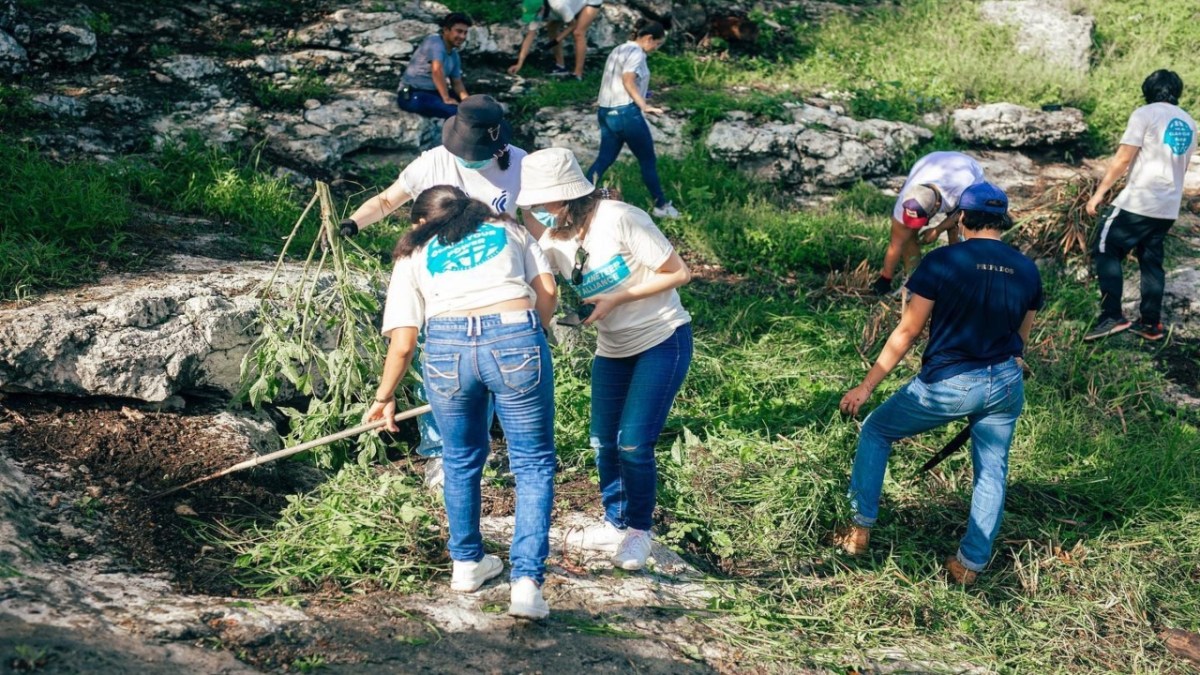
(482, 291)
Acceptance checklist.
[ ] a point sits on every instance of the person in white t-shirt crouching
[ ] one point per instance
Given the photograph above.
(622, 113)
(474, 156)
(482, 291)
(1158, 143)
(626, 271)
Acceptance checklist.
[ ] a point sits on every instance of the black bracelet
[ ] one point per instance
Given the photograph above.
(386, 400)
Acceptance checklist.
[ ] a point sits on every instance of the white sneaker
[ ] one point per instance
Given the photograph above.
(633, 551)
(469, 576)
(604, 538)
(435, 476)
(527, 601)
(667, 210)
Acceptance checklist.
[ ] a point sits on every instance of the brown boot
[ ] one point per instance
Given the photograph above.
(958, 572)
(852, 539)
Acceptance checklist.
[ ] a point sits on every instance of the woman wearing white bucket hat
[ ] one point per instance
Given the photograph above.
(627, 271)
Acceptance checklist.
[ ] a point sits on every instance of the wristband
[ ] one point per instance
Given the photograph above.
(386, 400)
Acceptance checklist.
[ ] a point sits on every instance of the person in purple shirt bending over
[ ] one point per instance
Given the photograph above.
(979, 298)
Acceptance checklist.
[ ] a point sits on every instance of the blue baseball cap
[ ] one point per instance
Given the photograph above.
(983, 197)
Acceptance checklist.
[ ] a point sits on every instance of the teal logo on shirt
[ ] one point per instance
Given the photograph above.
(604, 278)
(474, 250)
(1178, 136)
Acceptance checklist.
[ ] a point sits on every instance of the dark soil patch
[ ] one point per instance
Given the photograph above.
(1180, 361)
(109, 460)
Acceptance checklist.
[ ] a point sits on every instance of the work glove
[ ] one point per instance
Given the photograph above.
(347, 228)
(881, 286)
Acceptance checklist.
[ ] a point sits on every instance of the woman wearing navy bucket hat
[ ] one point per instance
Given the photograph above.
(627, 272)
(474, 156)
(480, 288)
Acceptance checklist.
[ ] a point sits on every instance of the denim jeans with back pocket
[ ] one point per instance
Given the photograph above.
(469, 360)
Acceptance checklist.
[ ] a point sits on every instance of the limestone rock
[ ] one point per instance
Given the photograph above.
(1047, 28)
(190, 68)
(1007, 125)
(220, 122)
(13, 58)
(63, 42)
(820, 149)
(578, 130)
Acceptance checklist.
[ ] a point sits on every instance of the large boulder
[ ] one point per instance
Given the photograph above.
(820, 149)
(63, 42)
(578, 130)
(1007, 125)
(1046, 28)
(146, 337)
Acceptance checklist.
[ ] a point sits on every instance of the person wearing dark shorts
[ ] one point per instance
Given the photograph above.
(432, 84)
(1158, 143)
(979, 298)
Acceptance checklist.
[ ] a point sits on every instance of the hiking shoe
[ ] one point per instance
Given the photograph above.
(959, 573)
(1148, 331)
(1107, 327)
(852, 538)
(560, 71)
(527, 601)
(633, 550)
(881, 286)
(667, 210)
(469, 576)
(435, 477)
(604, 537)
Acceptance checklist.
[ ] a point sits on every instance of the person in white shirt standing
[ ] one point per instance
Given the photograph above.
(481, 290)
(933, 186)
(474, 156)
(1158, 143)
(622, 113)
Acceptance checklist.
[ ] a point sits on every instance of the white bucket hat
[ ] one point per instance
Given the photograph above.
(551, 175)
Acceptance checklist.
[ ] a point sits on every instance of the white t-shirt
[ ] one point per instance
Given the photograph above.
(624, 249)
(951, 172)
(1167, 138)
(495, 187)
(566, 9)
(628, 58)
(495, 263)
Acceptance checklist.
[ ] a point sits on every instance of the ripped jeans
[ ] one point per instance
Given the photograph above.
(631, 397)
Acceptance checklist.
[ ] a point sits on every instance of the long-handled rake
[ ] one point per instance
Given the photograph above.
(288, 452)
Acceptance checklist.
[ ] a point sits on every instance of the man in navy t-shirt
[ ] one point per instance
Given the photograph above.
(979, 298)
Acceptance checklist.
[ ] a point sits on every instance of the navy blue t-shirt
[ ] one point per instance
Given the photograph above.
(981, 290)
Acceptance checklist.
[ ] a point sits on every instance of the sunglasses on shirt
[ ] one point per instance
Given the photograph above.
(581, 257)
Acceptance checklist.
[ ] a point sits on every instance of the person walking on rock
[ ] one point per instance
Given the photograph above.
(475, 156)
(1157, 145)
(622, 113)
(933, 186)
(571, 17)
(623, 267)
(481, 290)
(979, 299)
(432, 84)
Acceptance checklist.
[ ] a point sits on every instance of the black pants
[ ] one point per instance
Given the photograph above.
(1120, 233)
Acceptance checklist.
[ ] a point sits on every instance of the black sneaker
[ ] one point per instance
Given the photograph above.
(1106, 327)
(1149, 331)
(881, 286)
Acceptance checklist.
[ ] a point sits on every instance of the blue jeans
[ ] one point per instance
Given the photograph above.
(631, 397)
(431, 437)
(621, 125)
(427, 104)
(468, 360)
(991, 399)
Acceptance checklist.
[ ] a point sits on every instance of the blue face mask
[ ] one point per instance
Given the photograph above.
(475, 165)
(544, 217)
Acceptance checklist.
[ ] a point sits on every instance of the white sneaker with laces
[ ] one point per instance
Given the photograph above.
(667, 210)
(527, 601)
(469, 576)
(633, 551)
(604, 538)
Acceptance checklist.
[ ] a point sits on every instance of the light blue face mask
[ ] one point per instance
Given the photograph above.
(544, 217)
(474, 165)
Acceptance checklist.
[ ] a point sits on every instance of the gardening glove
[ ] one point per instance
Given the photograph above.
(347, 228)
(881, 286)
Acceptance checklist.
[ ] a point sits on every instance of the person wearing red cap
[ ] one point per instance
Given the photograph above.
(933, 186)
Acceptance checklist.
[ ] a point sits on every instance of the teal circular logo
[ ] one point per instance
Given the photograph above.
(1178, 136)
